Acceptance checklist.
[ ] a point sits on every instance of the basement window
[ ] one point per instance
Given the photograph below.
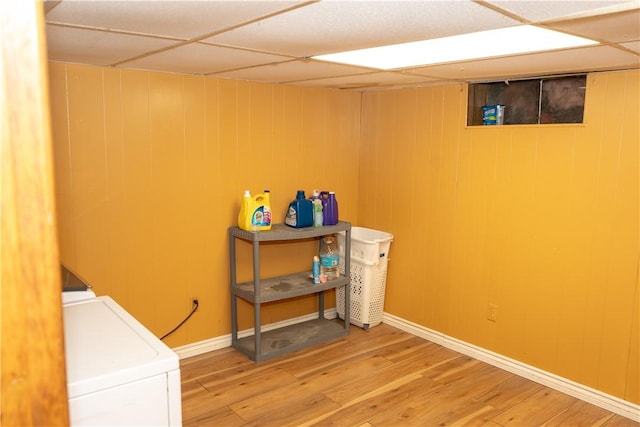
(533, 101)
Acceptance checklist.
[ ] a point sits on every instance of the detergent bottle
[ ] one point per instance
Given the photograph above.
(329, 208)
(255, 212)
(300, 212)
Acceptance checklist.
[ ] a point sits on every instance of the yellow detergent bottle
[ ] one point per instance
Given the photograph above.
(255, 212)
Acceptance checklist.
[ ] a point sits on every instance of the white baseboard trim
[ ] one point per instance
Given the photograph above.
(224, 341)
(579, 391)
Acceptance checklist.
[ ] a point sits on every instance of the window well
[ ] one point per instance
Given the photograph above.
(533, 101)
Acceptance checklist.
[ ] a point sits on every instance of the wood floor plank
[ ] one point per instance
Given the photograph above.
(381, 377)
(438, 412)
(354, 372)
(201, 365)
(414, 347)
(345, 391)
(223, 416)
(453, 401)
(582, 414)
(230, 392)
(473, 415)
(620, 421)
(336, 356)
(367, 405)
(536, 410)
(510, 392)
(284, 406)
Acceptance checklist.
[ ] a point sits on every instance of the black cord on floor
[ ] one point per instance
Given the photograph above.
(193, 310)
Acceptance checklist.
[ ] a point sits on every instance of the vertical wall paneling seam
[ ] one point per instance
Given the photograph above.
(108, 198)
(600, 145)
(412, 219)
(426, 164)
(636, 295)
(394, 147)
(451, 299)
(250, 141)
(217, 138)
(152, 298)
(529, 244)
(593, 81)
(412, 204)
(182, 203)
(272, 135)
(69, 157)
(205, 103)
(636, 298)
(326, 99)
(379, 143)
(123, 200)
(620, 139)
(236, 142)
(621, 132)
(462, 113)
(104, 131)
(393, 143)
(460, 126)
(438, 197)
(208, 172)
(556, 360)
(302, 116)
(599, 192)
(360, 157)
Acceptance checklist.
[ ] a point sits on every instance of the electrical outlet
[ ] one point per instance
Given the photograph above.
(192, 303)
(492, 313)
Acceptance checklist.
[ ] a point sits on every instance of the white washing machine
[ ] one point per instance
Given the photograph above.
(118, 372)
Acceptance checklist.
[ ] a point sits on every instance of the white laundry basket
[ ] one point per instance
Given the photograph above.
(368, 272)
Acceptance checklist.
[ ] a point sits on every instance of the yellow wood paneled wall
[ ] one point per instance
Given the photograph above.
(541, 221)
(150, 170)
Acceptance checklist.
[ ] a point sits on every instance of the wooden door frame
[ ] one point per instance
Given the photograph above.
(32, 364)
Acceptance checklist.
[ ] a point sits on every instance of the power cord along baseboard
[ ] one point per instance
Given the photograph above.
(194, 308)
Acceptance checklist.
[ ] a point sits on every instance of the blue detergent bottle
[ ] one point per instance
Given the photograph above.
(300, 212)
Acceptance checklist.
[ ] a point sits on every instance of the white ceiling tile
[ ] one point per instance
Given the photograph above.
(544, 10)
(197, 58)
(635, 46)
(332, 26)
(97, 47)
(175, 18)
(613, 28)
(292, 71)
(577, 60)
(238, 38)
(369, 81)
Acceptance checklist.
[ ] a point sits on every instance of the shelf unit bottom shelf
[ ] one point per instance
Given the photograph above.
(291, 338)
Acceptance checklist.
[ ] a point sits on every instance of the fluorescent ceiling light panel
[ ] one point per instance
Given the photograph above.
(483, 44)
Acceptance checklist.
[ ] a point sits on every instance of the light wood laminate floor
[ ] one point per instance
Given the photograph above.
(379, 377)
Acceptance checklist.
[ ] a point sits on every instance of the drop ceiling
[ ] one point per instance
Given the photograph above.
(273, 41)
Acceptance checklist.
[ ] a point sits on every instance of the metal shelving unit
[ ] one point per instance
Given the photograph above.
(265, 345)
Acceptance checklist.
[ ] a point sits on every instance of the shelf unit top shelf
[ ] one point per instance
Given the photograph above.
(284, 232)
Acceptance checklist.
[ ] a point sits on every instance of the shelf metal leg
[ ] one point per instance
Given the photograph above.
(256, 306)
(232, 281)
(347, 287)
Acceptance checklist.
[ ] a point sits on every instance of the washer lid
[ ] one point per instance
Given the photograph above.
(106, 346)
